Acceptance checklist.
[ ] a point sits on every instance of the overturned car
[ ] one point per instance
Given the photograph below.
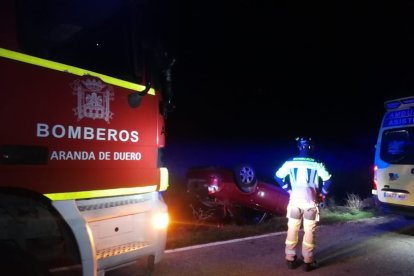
(236, 194)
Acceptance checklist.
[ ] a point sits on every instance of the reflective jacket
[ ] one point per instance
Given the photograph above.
(304, 174)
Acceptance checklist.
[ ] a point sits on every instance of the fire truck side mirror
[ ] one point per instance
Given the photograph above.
(134, 99)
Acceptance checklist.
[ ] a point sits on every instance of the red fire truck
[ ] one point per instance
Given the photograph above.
(83, 97)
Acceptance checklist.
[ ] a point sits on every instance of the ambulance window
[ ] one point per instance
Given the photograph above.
(397, 146)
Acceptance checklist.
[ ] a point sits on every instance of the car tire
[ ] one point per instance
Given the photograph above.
(245, 178)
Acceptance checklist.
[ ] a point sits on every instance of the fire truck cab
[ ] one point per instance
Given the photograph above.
(83, 98)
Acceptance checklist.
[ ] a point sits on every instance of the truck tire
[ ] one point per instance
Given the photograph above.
(35, 240)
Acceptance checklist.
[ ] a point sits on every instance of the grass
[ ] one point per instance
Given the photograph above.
(187, 233)
(328, 216)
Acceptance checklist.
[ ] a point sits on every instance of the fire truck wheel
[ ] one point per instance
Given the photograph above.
(150, 266)
(245, 178)
(35, 238)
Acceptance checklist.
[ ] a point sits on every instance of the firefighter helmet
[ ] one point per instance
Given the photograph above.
(304, 143)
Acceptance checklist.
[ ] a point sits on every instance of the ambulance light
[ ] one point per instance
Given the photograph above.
(392, 105)
(407, 101)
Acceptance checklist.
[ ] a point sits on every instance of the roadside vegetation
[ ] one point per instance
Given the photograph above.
(200, 228)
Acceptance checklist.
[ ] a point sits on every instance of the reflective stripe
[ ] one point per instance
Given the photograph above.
(312, 176)
(309, 245)
(101, 193)
(70, 69)
(309, 159)
(290, 251)
(307, 255)
(293, 174)
(290, 242)
(163, 179)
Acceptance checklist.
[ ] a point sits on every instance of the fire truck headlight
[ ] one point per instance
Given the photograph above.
(160, 220)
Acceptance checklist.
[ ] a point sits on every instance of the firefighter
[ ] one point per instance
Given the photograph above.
(305, 194)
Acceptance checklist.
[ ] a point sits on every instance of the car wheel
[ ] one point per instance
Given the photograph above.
(245, 178)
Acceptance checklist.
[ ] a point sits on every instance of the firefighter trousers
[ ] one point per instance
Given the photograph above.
(296, 216)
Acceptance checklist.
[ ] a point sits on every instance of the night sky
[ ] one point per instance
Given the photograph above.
(251, 76)
(290, 68)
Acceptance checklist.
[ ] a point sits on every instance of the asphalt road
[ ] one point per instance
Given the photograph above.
(378, 246)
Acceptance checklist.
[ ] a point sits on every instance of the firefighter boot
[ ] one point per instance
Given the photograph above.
(291, 264)
(310, 266)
